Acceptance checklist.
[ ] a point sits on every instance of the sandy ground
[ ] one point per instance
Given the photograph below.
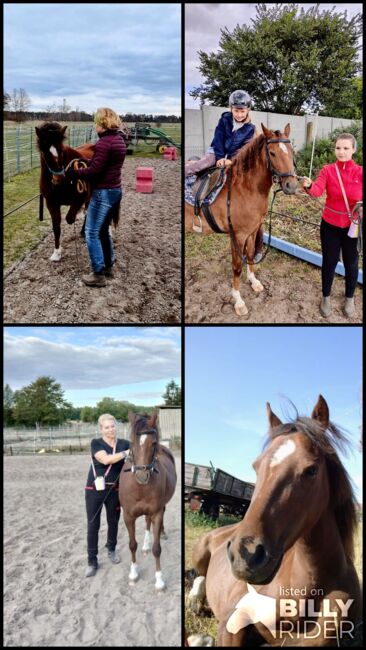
(47, 599)
(147, 286)
(292, 292)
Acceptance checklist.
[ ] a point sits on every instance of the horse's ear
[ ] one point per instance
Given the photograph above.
(38, 131)
(131, 417)
(321, 412)
(267, 132)
(274, 421)
(153, 419)
(63, 130)
(287, 129)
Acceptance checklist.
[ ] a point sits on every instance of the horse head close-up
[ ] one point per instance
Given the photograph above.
(296, 539)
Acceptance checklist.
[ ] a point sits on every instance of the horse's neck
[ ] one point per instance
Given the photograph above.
(260, 177)
(321, 549)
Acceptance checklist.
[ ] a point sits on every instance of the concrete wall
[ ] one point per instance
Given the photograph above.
(200, 126)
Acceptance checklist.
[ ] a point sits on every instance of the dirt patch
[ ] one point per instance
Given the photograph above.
(147, 283)
(47, 600)
(292, 289)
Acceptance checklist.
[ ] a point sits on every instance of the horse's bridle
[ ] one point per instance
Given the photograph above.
(277, 176)
(148, 469)
(52, 171)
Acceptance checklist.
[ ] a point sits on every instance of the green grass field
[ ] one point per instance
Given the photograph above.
(196, 526)
(20, 144)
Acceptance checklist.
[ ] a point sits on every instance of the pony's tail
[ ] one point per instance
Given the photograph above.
(115, 214)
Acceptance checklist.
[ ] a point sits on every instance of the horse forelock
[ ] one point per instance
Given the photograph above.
(327, 441)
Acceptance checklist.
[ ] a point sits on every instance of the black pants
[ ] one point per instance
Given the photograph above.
(334, 240)
(93, 501)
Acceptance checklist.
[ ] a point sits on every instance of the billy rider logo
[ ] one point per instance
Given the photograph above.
(296, 616)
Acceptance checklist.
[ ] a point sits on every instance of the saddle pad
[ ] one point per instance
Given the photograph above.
(189, 193)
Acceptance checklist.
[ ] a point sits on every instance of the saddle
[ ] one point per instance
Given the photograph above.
(203, 191)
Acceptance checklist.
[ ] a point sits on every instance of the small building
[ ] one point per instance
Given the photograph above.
(170, 422)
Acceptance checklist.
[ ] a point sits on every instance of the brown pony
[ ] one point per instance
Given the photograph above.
(146, 485)
(256, 164)
(295, 544)
(55, 156)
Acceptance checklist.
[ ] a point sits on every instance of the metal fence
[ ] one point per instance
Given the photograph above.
(20, 146)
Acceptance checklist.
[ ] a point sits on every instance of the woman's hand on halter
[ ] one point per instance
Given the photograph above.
(307, 183)
(224, 162)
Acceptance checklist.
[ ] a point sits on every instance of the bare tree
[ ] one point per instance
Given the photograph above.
(19, 103)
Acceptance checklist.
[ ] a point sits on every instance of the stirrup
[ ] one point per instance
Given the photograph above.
(199, 228)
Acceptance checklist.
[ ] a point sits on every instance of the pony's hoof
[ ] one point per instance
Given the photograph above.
(133, 575)
(241, 310)
(257, 286)
(159, 582)
(146, 551)
(56, 255)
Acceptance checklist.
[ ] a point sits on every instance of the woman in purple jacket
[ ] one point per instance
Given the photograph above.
(104, 173)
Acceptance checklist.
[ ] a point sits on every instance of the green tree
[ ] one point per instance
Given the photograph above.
(172, 395)
(289, 60)
(88, 414)
(42, 401)
(324, 149)
(8, 402)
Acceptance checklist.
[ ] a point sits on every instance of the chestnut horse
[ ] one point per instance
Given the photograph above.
(255, 166)
(284, 575)
(146, 485)
(55, 156)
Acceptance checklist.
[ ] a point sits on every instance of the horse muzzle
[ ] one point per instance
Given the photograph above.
(252, 562)
(289, 185)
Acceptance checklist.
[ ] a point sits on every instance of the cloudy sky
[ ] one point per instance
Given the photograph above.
(203, 22)
(125, 56)
(125, 363)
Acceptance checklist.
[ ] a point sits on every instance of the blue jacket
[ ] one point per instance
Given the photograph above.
(226, 141)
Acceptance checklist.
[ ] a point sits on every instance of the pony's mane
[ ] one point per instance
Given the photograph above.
(246, 157)
(327, 441)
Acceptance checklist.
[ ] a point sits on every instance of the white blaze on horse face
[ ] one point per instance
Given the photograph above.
(54, 151)
(142, 439)
(283, 451)
(283, 147)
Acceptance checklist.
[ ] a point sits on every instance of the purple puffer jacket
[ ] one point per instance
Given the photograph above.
(105, 168)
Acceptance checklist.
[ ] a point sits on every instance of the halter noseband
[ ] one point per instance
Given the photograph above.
(54, 173)
(146, 468)
(277, 176)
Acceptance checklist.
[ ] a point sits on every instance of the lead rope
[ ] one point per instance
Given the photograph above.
(76, 249)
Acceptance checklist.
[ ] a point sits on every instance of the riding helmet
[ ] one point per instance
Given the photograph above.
(240, 99)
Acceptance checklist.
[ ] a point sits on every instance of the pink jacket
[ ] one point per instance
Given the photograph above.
(328, 182)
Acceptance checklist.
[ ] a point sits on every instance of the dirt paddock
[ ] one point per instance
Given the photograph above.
(147, 286)
(292, 288)
(47, 599)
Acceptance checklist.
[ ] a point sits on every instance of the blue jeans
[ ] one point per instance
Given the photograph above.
(97, 235)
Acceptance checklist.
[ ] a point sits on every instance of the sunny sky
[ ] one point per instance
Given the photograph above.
(231, 372)
(203, 22)
(125, 56)
(125, 363)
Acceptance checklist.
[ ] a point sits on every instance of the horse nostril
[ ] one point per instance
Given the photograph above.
(259, 555)
(229, 552)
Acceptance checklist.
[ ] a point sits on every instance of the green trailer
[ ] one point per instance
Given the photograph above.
(213, 491)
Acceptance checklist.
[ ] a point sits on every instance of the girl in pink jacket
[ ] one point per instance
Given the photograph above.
(335, 231)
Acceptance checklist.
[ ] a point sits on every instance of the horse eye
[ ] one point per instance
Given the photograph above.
(311, 471)
(272, 153)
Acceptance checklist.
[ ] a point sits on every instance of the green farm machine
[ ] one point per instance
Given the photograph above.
(150, 135)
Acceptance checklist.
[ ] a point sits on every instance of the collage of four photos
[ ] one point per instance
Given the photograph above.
(182, 324)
